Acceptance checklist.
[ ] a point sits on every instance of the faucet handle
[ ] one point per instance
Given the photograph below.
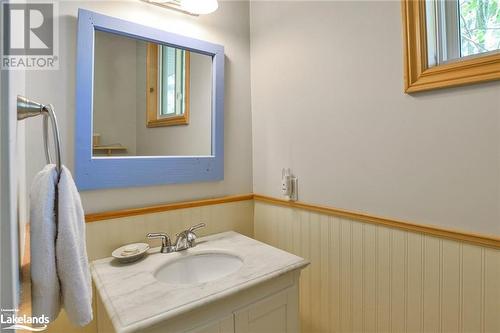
(166, 245)
(197, 226)
(186, 239)
(154, 235)
(190, 235)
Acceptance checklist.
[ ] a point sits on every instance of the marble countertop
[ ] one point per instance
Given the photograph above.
(135, 299)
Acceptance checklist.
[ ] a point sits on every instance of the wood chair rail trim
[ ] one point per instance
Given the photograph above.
(457, 235)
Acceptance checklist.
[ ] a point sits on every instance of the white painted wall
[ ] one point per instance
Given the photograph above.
(228, 26)
(328, 101)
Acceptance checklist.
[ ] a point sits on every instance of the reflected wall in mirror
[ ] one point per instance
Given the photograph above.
(461, 28)
(150, 99)
(450, 43)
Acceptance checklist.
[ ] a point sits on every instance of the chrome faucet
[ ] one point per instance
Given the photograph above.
(184, 240)
(187, 238)
(166, 244)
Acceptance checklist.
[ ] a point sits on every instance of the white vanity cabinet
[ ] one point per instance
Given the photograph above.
(271, 307)
(274, 314)
(277, 313)
(224, 325)
(261, 295)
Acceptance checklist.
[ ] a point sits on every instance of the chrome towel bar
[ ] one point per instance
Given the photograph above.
(26, 109)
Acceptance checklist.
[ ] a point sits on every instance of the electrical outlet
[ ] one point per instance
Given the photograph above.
(294, 191)
(289, 184)
(285, 182)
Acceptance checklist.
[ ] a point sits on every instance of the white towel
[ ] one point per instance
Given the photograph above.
(45, 291)
(59, 266)
(71, 253)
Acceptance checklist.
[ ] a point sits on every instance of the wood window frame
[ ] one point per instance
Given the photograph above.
(152, 118)
(418, 76)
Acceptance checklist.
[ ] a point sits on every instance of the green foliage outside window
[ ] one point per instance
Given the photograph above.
(479, 26)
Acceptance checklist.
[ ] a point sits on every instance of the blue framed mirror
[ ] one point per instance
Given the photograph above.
(150, 106)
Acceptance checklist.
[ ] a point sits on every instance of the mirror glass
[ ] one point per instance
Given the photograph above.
(458, 29)
(150, 99)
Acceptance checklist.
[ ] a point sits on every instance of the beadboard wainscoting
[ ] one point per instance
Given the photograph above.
(367, 274)
(105, 235)
(366, 277)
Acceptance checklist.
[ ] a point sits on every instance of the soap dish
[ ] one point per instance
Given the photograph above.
(130, 252)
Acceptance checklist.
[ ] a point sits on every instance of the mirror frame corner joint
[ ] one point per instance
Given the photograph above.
(116, 172)
(418, 76)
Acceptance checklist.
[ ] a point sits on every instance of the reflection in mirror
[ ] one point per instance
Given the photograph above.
(168, 76)
(150, 99)
(461, 28)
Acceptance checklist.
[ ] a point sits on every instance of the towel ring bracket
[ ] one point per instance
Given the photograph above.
(26, 109)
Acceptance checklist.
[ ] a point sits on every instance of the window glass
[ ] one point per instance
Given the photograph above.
(172, 81)
(479, 26)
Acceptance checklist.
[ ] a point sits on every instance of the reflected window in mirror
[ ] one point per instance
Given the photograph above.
(174, 81)
(168, 76)
(461, 28)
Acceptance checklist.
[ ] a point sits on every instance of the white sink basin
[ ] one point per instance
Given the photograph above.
(199, 268)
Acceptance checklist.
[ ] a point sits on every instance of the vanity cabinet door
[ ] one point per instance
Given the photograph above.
(274, 314)
(225, 325)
